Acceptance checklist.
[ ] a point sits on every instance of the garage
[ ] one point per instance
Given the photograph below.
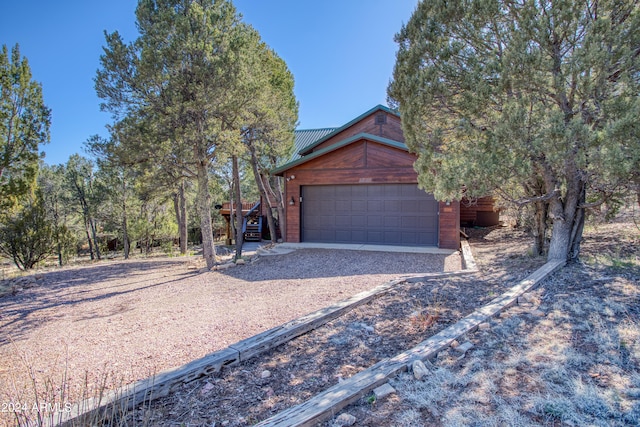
(357, 184)
(381, 214)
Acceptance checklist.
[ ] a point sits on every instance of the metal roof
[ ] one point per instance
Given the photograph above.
(300, 160)
(308, 148)
(306, 137)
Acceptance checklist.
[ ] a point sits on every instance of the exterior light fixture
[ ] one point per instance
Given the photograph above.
(292, 202)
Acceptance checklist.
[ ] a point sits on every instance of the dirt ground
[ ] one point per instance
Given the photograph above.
(88, 328)
(571, 356)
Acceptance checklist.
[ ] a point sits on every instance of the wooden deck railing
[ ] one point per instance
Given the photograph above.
(246, 206)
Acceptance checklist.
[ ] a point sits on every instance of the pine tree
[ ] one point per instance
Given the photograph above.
(187, 71)
(24, 125)
(536, 95)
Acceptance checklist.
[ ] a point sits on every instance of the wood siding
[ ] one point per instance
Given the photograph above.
(371, 161)
(481, 212)
(362, 162)
(392, 129)
(449, 232)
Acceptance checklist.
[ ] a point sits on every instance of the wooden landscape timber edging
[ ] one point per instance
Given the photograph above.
(160, 385)
(327, 404)
(467, 257)
(144, 391)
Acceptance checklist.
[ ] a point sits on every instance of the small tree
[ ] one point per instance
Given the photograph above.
(80, 179)
(55, 197)
(269, 134)
(188, 70)
(24, 124)
(27, 237)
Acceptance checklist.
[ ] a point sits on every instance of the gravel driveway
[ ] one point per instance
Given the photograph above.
(120, 321)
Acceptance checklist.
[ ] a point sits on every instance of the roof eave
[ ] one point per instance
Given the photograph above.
(380, 140)
(306, 150)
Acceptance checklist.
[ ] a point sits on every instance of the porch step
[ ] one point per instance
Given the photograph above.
(253, 229)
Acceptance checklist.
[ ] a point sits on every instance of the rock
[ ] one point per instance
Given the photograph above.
(367, 328)
(454, 344)
(538, 313)
(524, 298)
(345, 420)
(463, 348)
(419, 369)
(222, 250)
(224, 266)
(265, 374)
(383, 391)
(39, 276)
(269, 392)
(484, 326)
(206, 388)
(240, 261)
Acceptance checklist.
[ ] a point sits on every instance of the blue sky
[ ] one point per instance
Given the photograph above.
(341, 53)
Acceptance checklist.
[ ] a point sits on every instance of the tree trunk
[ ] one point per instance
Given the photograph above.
(180, 207)
(260, 181)
(238, 197)
(94, 234)
(271, 222)
(539, 227)
(125, 235)
(568, 221)
(204, 208)
(578, 227)
(86, 230)
(282, 219)
(560, 240)
(56, 224)
(184, 231)
(125, 229)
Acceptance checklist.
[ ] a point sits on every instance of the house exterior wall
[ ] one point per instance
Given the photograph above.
(449, 231)
(480, 212)
(363, 162)
(391, 129)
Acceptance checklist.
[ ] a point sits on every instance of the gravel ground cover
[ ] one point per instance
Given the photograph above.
(294, 372)
(95, 327)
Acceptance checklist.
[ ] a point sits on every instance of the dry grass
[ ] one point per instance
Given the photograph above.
(574, 363)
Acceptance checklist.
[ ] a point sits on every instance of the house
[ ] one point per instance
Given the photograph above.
(356, 184)
(252, 227)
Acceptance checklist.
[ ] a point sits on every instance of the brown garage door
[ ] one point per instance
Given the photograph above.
(382, 214)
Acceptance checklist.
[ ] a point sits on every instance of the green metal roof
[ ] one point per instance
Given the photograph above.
(343, 143)
(305, 137)
(308, 148)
